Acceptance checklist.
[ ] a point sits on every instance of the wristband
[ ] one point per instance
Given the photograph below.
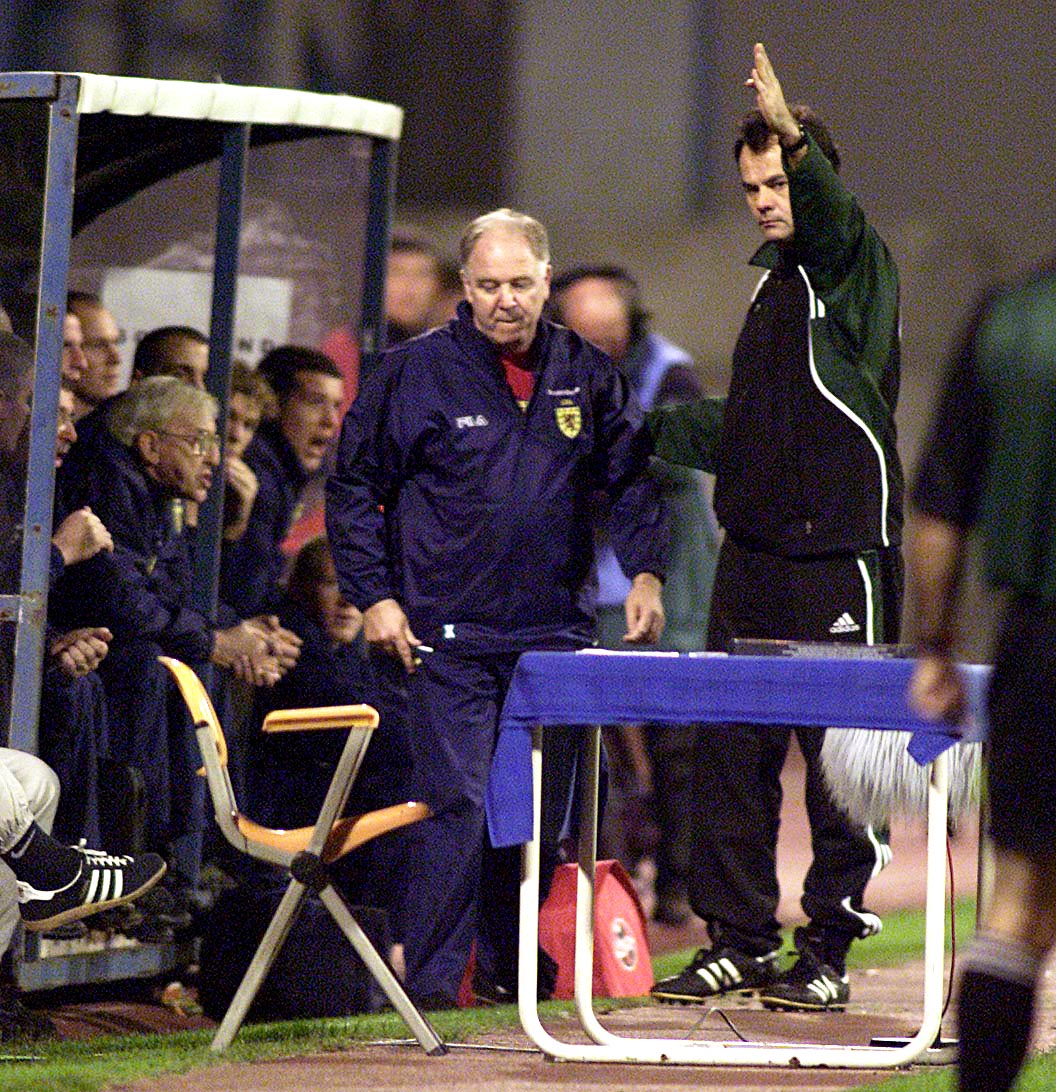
(801, 142)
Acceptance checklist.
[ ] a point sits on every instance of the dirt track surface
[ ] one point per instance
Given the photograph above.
(884, 1001)
(885, 1004)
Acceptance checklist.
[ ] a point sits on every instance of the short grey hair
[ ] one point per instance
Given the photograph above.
(508, 220)
(152, 403)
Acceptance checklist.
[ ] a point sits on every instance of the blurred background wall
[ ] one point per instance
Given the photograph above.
(611, 121)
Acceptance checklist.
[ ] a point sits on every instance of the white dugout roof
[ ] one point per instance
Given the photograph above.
(230, 103)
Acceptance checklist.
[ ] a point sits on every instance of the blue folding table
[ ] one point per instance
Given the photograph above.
(591, 690)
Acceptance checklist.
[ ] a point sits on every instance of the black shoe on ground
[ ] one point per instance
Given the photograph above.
(808, 986)
(67, 932)
(167, 906)
(19, 1024)
(714, 972)
(487, 993)
(102, 880)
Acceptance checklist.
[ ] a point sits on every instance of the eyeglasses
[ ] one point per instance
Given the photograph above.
(97, 344)
(202, 443)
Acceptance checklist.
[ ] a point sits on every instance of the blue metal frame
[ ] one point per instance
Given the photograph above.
(381, 194)
(231, 190)
(32, 85)
(40, 472)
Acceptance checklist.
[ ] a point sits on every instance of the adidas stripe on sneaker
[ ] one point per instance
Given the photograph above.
(102, 880)
(810, 986)
(713, 972)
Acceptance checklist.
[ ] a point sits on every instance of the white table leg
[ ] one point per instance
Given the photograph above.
(608, 1047)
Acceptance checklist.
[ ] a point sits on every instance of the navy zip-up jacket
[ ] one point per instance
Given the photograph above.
(252, 566)
(142, 590)
(475, 515)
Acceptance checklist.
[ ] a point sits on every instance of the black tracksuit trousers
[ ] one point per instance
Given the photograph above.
(737, 768)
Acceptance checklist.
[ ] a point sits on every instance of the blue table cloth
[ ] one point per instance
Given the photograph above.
(577, 688)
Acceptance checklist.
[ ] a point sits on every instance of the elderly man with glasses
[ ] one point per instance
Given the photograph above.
(158, 452)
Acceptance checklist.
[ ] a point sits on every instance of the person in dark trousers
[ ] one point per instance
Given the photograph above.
(809, 490)
(290, 772)
(48, 883)
(73, 722)
(459, 517)
(603, 304)
(989, 465)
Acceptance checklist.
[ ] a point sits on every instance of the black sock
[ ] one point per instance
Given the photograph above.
(39, 860)
(995, 1011)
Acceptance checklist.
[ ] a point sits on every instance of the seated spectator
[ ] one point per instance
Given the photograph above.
(284, 455)
(48, 882)
(289, 772)
(180, 351)
(22, 320)
(160, 447)
(73, 737)
(251, 400)
(101, 376)
(74, 362)
(16, 395)
(73, 723)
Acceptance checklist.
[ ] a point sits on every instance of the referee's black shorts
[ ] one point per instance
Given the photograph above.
(1022, 705)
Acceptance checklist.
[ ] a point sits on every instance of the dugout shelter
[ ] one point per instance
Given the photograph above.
(260, 216)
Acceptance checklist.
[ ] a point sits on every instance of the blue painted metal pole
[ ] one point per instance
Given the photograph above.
(232, 185)
(57, 223)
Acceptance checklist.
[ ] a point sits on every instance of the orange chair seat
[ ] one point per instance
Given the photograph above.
(345, 835)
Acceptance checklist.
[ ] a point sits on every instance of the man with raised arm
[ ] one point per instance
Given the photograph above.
(809, 490)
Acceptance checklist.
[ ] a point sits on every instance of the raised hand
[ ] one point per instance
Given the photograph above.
(769, 97)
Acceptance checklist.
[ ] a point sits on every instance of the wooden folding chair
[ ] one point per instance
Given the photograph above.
(304, 852)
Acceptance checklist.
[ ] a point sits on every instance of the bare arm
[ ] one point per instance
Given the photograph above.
(936, 564)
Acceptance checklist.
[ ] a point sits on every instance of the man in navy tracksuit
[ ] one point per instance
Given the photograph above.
(459, 519)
